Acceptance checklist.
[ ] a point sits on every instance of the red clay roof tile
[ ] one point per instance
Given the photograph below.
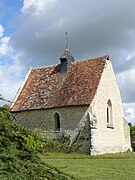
(45, 88)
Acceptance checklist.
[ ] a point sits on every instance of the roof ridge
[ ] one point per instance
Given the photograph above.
(76, 61)
(98, 57)
(54, 65)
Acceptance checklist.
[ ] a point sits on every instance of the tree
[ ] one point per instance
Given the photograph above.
(132, 134)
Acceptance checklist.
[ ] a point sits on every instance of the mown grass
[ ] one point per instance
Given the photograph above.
(110, 166)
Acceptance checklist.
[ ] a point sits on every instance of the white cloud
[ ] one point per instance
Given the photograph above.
(10, 79)
(126, 82)
(11, 68)
(129, 109)
(1, 30)
(62, 21)
(37, 5)
(4, 45)
(4, 42)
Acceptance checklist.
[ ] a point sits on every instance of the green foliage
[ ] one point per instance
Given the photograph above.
(132, 129)
(132, 134)
(133, 145)
(32, 142)
(19, 147)
(23, 138)
(4, 112)
(53, 145)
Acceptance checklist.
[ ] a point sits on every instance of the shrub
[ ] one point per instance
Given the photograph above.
(55, 145)
(19, 148)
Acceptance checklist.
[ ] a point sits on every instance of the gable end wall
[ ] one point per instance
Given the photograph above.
(109, 140)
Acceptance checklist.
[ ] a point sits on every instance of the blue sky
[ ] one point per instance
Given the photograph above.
(9, 11)
(32, 34)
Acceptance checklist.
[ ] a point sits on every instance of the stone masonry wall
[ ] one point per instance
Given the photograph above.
(109, 139)
(74, 124)
(44, 119)
(127, 133)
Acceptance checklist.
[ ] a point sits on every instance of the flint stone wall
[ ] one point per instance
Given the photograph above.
(44, 119)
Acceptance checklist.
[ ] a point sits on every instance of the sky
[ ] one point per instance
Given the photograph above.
(32, 34)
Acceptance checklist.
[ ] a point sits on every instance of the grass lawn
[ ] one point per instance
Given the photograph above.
(112, 166)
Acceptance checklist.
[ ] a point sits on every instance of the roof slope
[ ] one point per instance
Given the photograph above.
(45, 88)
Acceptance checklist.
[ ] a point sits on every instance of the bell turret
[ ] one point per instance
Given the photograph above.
(66, 59)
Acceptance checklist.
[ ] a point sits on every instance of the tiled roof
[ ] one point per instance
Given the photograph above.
(45, 87)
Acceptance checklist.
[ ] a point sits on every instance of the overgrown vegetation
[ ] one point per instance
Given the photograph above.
(19, 147)
(61, 145)
(132, 134)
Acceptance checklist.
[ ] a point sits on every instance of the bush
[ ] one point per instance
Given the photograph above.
(132, 134)
(19, 148)
(61, 145)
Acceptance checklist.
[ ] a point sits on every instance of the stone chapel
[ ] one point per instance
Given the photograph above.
(78, 98)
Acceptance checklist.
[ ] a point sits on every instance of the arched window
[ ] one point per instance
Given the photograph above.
(109, 114)
(57, 121)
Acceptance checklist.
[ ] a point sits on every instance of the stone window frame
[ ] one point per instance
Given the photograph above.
(109, 114)
(57, 121)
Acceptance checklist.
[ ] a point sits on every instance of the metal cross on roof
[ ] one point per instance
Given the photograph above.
(67, 45)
